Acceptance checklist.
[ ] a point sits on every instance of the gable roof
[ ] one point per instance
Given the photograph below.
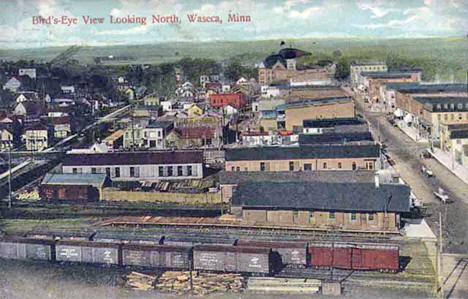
(195, 132)
(365, 197)
(87, 179)
(306, 152)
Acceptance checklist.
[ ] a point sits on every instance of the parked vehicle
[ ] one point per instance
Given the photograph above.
(427, 171)
(442, 195)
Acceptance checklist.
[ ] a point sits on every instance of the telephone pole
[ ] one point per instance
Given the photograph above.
(9, 177)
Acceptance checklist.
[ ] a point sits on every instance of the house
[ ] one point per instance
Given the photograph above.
(38, 137)
(453, 137)
(13, 84)
(297, 112)
(257, 138)
(371, 66)
(133, 136)
(73, 187)
(242, 81)
(155, 133)
(225, 88)
(138, 166)
(193, 137)
(168, 105)
(366, 206)
(30, 72)
(204, 79)
(61, 126)
(304, 158)
(151, 100)
(6, 139)
(230, 110)
(194, 110)
(115, 140)
(238, 100)
(216, 87)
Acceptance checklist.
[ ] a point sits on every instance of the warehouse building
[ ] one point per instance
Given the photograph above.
(366, 206)
(138, 166)
(76, 187)
(304, 158)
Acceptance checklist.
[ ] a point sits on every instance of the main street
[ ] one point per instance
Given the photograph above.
(406, 154)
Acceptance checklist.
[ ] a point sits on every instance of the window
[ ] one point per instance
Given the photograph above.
(307, 166)
(324, 165)
(311, 216)
(445, 117)
(339, 165)
(354, 166)
(161, 171)
(262, 166)
(169, 171)
(117, 172)
(291, 166)
(179, 171)
(93, 170)
(132, 172)
(75, 170)
(232, 168)
(246, 169)
(237, 168)
(108, 173)
(439, 116)
(295, 213)
(331, 215)
(370, 217)
(189, 170)
(353, 216)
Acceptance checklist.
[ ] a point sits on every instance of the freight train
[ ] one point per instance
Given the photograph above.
(243, 256)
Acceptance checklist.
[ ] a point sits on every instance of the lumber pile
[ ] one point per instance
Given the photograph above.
(203, 283)
(140, 281)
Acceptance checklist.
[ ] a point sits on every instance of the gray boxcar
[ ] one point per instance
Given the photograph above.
(291, 253)
(26, 249)
(126, 238)
(88, 252)
(156, 256)
(232, 259)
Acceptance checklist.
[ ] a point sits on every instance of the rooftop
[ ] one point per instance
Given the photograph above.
(386, 75)
(444, 103)
(460, 134)
(365, 197)
(313, 102)
(369, 63)
(336, 138)
(430, 88)
(95, 180)
(332, 122)
(134, 158)
(160, 124)
(306, 152)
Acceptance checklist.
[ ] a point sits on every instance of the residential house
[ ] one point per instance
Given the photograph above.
(304, 158)
(6, 139)
(204, 79)
(168, 105)
(13, 84)
(61, 126)
(194, 110)
(138, 166)
(151, 100)
(193, 137)
(38, 137)
(115, 140)
(30, 72)
(226, 88)
(230, 110)
(29, 111)
(134, 136)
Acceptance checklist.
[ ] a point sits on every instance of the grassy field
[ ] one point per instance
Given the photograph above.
(446, 57)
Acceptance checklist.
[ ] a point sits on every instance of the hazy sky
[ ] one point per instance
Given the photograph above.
(270, 20)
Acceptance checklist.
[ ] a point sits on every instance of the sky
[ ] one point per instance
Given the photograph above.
(269, 20)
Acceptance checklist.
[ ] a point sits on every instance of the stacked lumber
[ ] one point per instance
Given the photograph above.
(284, 285)
(203, 283)
(140, 281)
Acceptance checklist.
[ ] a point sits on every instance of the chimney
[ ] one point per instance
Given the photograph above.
(377, 181)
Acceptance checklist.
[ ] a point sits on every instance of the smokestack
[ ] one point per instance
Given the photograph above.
(377, 181)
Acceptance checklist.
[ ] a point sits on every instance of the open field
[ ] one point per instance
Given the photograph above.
(446, 57)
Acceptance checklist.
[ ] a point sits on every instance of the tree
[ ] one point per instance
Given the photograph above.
(336, 54)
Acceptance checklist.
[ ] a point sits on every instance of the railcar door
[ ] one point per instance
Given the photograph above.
(356, 259)
(230, 262)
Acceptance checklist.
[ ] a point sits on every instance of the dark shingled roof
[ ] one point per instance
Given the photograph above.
(134, 158)
(290, 53)
(430, 88)
(386, 75)
(431, 103)
(306, 152)
(363, 197)
(462, 134)
(272, 59)
(327, 123)
(334, 138)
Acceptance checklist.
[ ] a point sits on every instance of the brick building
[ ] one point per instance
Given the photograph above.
(357, 68)
(237, 100)
(306, 158)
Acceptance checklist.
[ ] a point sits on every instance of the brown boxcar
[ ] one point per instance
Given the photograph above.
(337, 255)
(291, 253)
(27, 249)
(69, 192)
(88, 252)
(225, 258)
(376, 257)
(156, 256)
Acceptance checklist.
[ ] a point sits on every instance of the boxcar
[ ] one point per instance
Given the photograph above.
(109, 237)
(326, 255)
(291, 253)
(232, 259)
(376, 257)
(27, 249)
(88, 252)
(156, 256)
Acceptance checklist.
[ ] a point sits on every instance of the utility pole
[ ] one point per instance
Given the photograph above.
(440, 286)
(9, 177)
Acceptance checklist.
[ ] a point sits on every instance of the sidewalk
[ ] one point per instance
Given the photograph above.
(411, 132)
(448, 161)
